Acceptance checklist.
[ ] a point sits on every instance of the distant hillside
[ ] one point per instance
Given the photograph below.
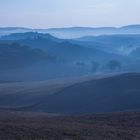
(72, 57)
(63, 49)
(33, 40)
(76, 32)
(15, 56)
(118, 39)
(10, 30)
(29, 35)
(123, 44)
(73, 49)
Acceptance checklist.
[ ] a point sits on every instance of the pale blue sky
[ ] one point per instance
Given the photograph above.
(68, 13)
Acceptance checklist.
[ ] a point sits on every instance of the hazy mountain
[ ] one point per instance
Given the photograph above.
(123, 44)
(131, 29)
(76, 32)
(33, 39)
(63, 49)
(11, 30)
(29, 35)
(15, 56)
(73, 57)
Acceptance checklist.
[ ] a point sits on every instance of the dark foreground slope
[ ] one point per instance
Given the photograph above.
(32, 126)
(108, 94)
(115, 93)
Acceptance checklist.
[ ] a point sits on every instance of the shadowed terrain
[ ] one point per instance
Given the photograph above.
(100, 94)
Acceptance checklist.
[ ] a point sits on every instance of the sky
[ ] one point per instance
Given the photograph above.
(68, 13)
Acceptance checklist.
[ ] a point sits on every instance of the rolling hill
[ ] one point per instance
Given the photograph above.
(107, 94)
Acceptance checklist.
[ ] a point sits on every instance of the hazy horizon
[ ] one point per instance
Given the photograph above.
(76, 26)
(64, 13)
(65, 27)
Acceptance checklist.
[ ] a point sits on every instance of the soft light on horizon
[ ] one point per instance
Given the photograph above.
(68, 13)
